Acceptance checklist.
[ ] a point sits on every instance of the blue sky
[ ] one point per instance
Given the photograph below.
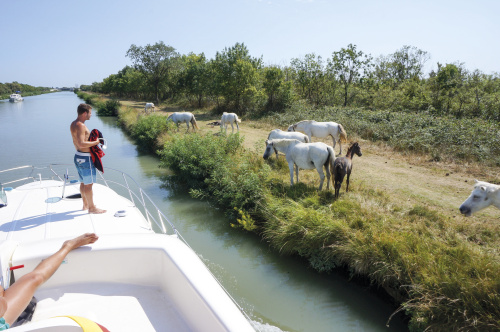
(64, 43)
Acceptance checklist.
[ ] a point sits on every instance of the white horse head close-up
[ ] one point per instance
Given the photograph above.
(321, 130)
(483, 195)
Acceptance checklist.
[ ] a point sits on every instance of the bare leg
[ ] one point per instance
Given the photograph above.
(19, 295)
(84, 198)
(90, 199)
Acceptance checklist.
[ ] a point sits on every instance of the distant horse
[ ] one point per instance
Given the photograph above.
(229, 118)
(305, 156)
(178, 117)
(343, 166)
(277, 133)
(321, 130)
(148, 107)
(483, 195)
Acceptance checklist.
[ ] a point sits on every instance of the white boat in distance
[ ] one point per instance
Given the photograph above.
(131, 279)
(15, 97)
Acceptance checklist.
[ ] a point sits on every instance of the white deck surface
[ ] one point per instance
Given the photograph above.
(131, 279)
(35, 213)
(116, 307)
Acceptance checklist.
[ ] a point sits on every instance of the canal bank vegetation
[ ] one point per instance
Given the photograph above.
(6, 89)
(443, 271)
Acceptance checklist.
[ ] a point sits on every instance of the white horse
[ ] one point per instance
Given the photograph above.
(148, 107)
(278, 133)
(483, 195)
(321, 130)
(178, 117)
(305, 156)
(229, 118)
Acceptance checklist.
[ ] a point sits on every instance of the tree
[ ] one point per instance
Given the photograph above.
(346, 65)
(156, 62)
(237, 75)
(193, 80)
(310, 76)
(407, 63)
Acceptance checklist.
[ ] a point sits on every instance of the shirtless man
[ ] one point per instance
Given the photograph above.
(83, 159)
(16, 298)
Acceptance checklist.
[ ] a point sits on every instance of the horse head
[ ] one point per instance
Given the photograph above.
(269, 149)
(356, 149)
(479, 198)
(292, 127)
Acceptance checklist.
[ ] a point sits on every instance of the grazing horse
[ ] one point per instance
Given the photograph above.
(148, 107)
(277, 133)
(178, 117)
(321, 130)
(305, 156)
(483, 195)
(229, 118)
(343, 166)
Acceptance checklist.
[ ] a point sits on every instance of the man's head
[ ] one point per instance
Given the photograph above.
(84, 108)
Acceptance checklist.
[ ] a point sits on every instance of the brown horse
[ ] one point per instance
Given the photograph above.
(343, 166)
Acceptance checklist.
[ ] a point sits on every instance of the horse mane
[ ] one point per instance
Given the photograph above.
(351, 147)
(305, 121)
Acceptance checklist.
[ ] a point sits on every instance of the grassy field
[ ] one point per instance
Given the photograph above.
(399, 227)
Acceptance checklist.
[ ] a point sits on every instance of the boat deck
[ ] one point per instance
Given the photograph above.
(36, 213)
(129, 307)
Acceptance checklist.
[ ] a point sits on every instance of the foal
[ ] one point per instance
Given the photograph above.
(343, 166)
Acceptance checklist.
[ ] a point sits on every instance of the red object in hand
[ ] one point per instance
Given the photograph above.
(16, 267)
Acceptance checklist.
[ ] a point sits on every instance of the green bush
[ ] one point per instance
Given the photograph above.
(146, 131)
(109, 107)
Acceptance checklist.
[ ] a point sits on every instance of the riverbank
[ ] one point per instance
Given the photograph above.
(398, 227)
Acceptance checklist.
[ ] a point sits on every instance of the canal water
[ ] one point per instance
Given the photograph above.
(278, 293)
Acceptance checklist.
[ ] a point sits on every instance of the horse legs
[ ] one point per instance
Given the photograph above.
(347, 182)
(297, 172)
(322, 177)
(232, 128)
(291, 166)
(237, 126)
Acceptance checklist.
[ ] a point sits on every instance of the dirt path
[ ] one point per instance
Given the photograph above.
(407, 180)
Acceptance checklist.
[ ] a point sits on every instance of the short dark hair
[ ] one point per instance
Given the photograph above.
(83, 108)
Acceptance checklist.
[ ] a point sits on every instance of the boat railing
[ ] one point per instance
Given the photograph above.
(123, 183)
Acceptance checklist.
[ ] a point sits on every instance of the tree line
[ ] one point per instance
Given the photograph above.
(234, 80)
(6, 89)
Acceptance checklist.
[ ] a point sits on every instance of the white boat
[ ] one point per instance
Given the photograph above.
(131, 279)
(15, 97)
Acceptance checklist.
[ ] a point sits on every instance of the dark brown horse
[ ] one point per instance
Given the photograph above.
(343, 166)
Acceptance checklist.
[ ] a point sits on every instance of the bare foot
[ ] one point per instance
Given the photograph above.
(96, 211)
(84, 208)
(81, 240)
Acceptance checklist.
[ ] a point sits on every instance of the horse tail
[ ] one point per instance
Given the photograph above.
(306, 139)
(193, 122)
(331, 161)
(343, 134)
(237, 119)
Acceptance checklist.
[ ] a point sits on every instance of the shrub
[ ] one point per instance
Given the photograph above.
(146, 131)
